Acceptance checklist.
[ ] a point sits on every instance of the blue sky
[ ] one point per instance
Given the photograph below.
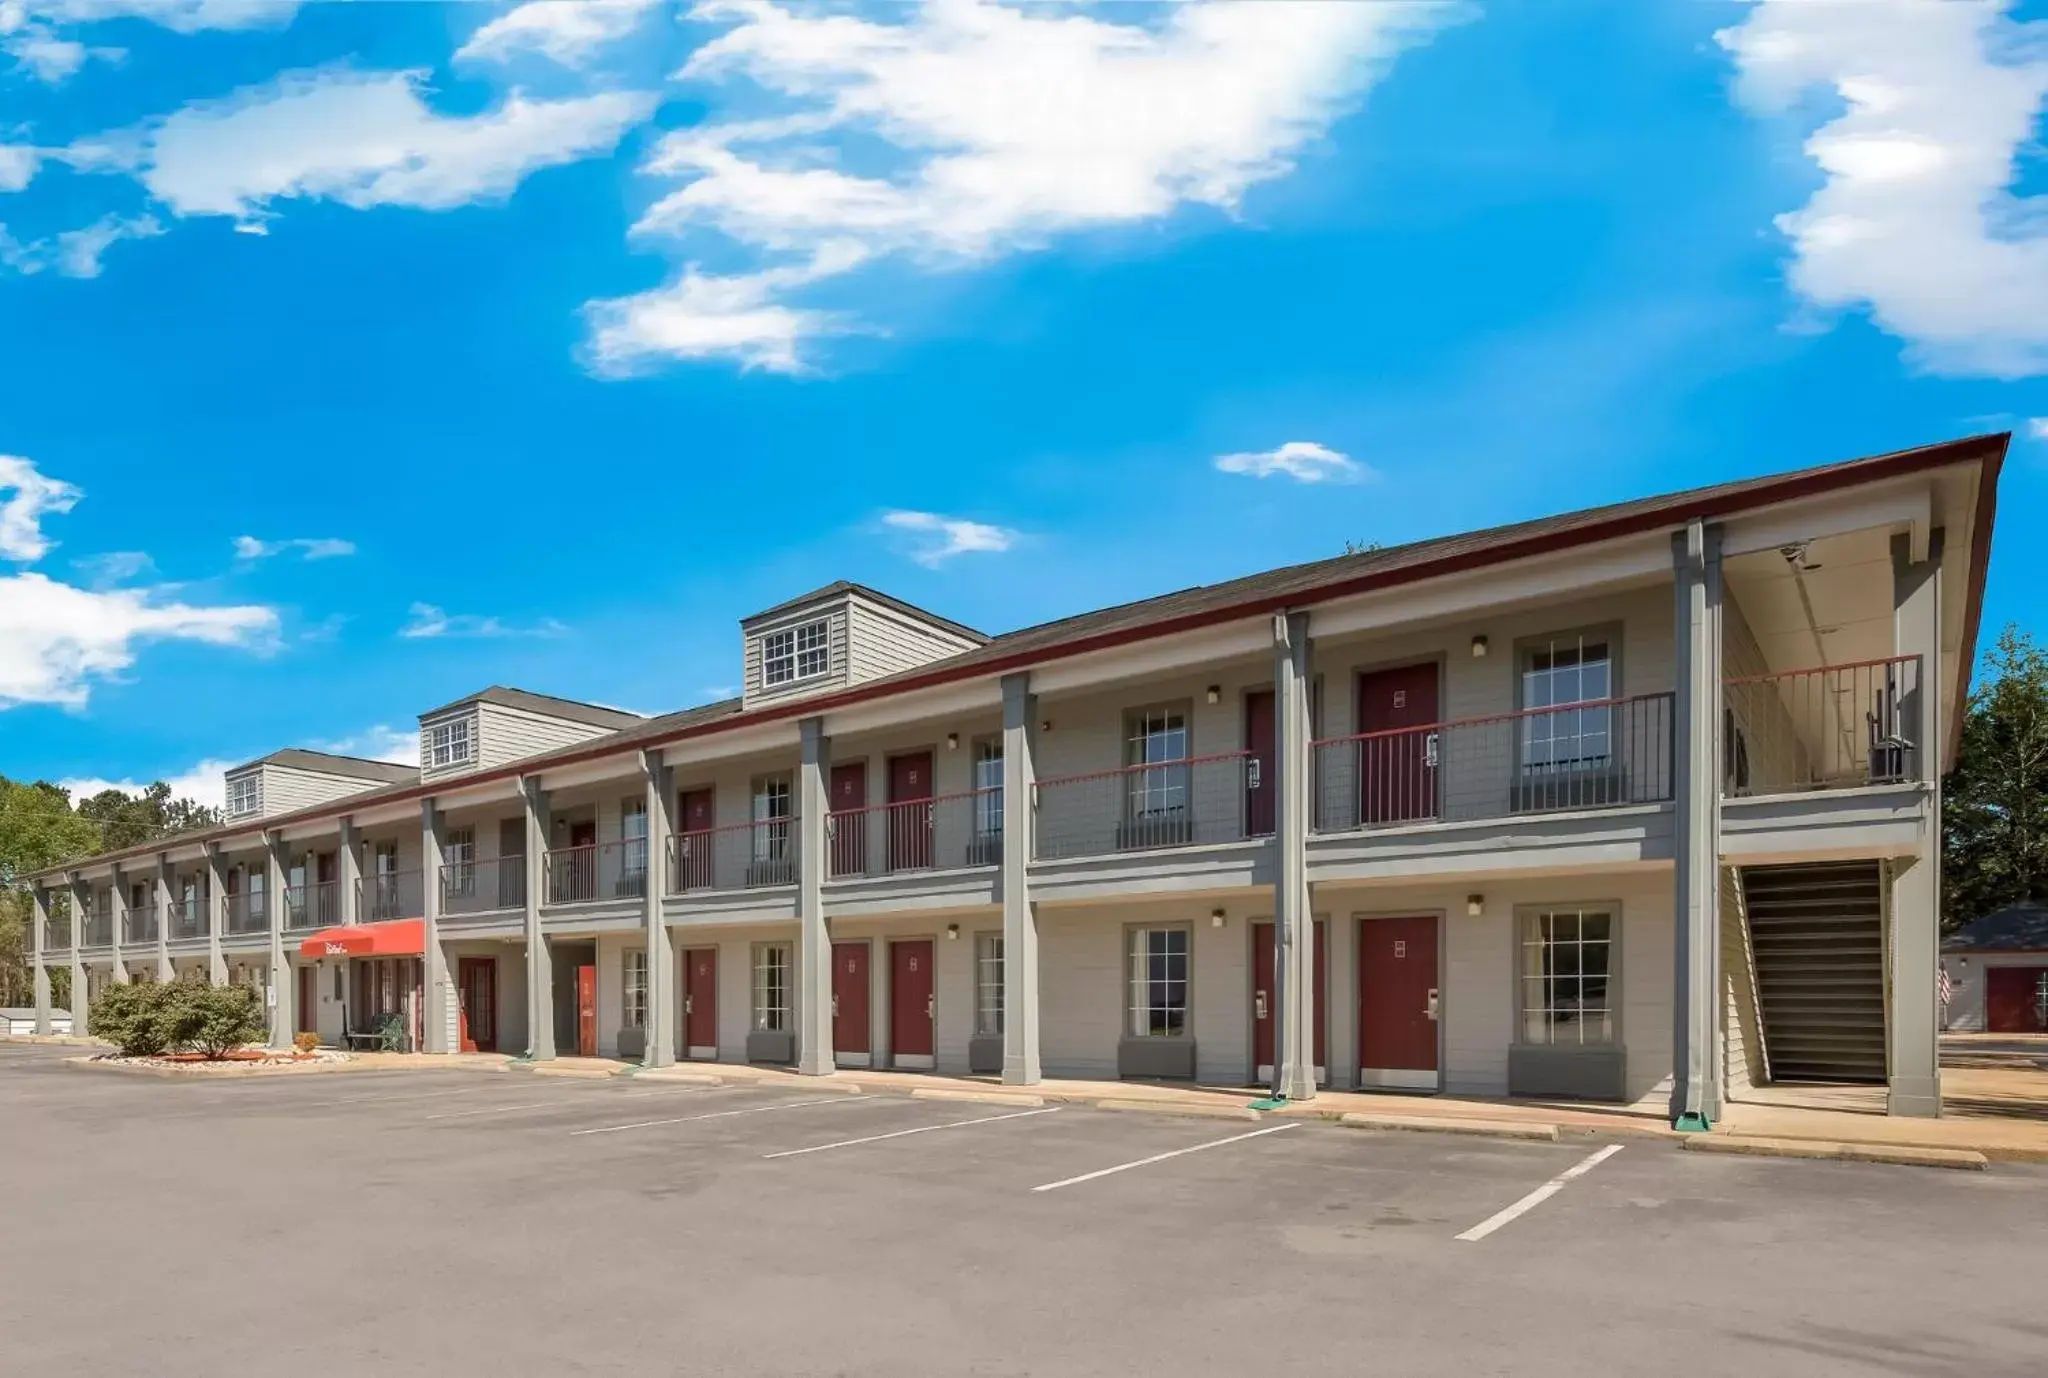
(355, 356)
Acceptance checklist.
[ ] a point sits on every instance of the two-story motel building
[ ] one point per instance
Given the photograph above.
(1639, 803)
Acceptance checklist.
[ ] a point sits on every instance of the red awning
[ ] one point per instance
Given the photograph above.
(397, 938)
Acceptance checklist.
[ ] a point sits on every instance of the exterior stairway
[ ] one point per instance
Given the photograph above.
(1817, 932)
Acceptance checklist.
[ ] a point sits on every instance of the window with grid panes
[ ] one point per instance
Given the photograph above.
(798, 653)
(636, 990)
(448, 743)
(1159, 982)
(771, 987)
(1157, 742)
(988, 786)
(245, 796)
(1557, 737)
(458, 862)
(988, 984)
(1567, 977)
(773, 798)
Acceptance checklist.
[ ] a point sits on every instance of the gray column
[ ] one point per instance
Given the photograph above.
(81, 1007)
(164, 971)
(1020, 915)
(216, 916)
(1294, 1070)
(814, 935)
(540, 963)
(434, 965)
(282, 990)
(661, 957)
(117, 898)
(1696, 827)
(349, 873)
(39, 916)
(1915, 1032)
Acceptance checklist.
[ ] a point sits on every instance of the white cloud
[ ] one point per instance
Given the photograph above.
(203, 783)
(2037, 427)
(18, 164)
(953, 536)
(360, 138)
(1916, 219)
(308, 547)
(180, 16)
(56, 639)
(1301, 460)
(570, 32)
(29, 497)
(401, 746)
(114, 567)
(998, 128)
(429, 622)
(702, 315)
(78, 251)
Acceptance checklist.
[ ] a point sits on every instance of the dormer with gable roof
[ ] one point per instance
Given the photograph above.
(496, 726)
(842, 635)
(292, 779)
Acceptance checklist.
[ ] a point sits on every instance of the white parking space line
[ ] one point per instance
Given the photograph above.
(1540, 1195)
(922, 1129)
(1162, 1157)
(493, 1110)
(371, 1100)
(718, 1115)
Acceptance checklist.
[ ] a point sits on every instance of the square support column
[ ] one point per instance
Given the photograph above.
(1020, 916)
(1696, 828)
(350, 878)
(164, 970)
(81, 1006)
(540, 963)
(1294, 1070)
(281, 991)
(39, 916)
(435, 1037)
(1914, 1034)
(814, 936)
(117, 899)
(215, 907)
(661, 957)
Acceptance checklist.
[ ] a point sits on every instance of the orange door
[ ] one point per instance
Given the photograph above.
(586, 1011)
(1266, 999)
(911, 1005)
(1397, 1002)
(850, 998)
(700, 1001)
(477, 999)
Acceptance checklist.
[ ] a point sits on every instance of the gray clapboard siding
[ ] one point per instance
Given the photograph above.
(882, 641)
(834, 612)
(430, 771)
(1770, 738)
(286, 790)
(507, 734)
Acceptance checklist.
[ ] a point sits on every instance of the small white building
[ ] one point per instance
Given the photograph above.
(1997, 969)
(17, 1022)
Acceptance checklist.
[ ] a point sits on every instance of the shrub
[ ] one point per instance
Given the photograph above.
(216, 1020)
(128, 1016)
(305, 1042)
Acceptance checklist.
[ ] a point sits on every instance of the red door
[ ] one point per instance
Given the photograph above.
(910, 812)
(1397, 1003)
(850, 998)
(700, 1002)
(1397, 745)
(586, 1011)
(1259, 793)
(1266, 999)
(849, 795)
(911, 1006)
(2016, 999)
(476, 988)
(693, 840)
(309, 1000)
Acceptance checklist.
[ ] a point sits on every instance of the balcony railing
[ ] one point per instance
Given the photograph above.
(186, 918)
(312, 906)
(247, 913)
(945, 833)
(483, 887)
(1601, 754)
(390, 895)
(597, 871)
(138, 925)
(736, 856)
(1169, 804)
(99, 926)
(57, 933)
(1826, 727)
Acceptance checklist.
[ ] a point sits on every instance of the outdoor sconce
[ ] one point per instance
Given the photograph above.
(1215, 694)
(1045, 726)
(952, 741)
(952, 931)
(1475, 906)
(1215, 918)
(1479, 648)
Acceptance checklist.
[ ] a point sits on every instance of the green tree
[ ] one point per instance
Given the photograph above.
(1995, 810)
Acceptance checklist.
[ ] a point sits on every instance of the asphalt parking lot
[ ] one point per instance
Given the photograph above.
(456, 1222)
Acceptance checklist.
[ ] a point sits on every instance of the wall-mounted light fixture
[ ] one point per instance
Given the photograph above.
(1475, 905)
(1215, 918)
(952, 741)
(1045, 726)
(952, 931)
(1215, 693)
(1479, 648)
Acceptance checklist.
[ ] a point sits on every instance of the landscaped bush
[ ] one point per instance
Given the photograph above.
(305, 1041)
(129, 1017)
(216, 1020)
(149, 1018)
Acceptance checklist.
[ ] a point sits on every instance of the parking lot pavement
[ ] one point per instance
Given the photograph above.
(449, 1222)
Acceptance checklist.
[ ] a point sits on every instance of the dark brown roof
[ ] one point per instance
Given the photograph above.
(841, 587)
(594, 714)
(327, 763)
(1275, 590)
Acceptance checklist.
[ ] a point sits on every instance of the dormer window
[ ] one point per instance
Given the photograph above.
(799, 653)
(448, 743)
(245, 796)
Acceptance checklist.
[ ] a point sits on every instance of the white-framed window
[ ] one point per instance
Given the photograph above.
(636, 989)
(771, 987)
(245, 795)
(458, 861)
(447, 743)
(1567, 977)
(988, 786)
(798, 653)
(1159, 982)
(774, 806)
(633, 840)
(988, 984)
(1557, 737)
(1156, 740)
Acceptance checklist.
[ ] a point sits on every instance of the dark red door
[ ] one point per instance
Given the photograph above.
(910, 812)
(476, 985)
(586, 1011)
(700, 1001)
(849, 797)
(2016, 999)
(1398, 744)
(309, 1000)
(1259, 793)
(1266, 997)
(850, 998)
(693, 840)
(910, 1001)
(1397, 1002)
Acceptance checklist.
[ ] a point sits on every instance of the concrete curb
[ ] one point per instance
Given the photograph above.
(215, 1071)
(977, 1097)
(1484, 1129)
(682, 1078)
(543, 1069)
(1968, 1160)
(1183, 1109)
